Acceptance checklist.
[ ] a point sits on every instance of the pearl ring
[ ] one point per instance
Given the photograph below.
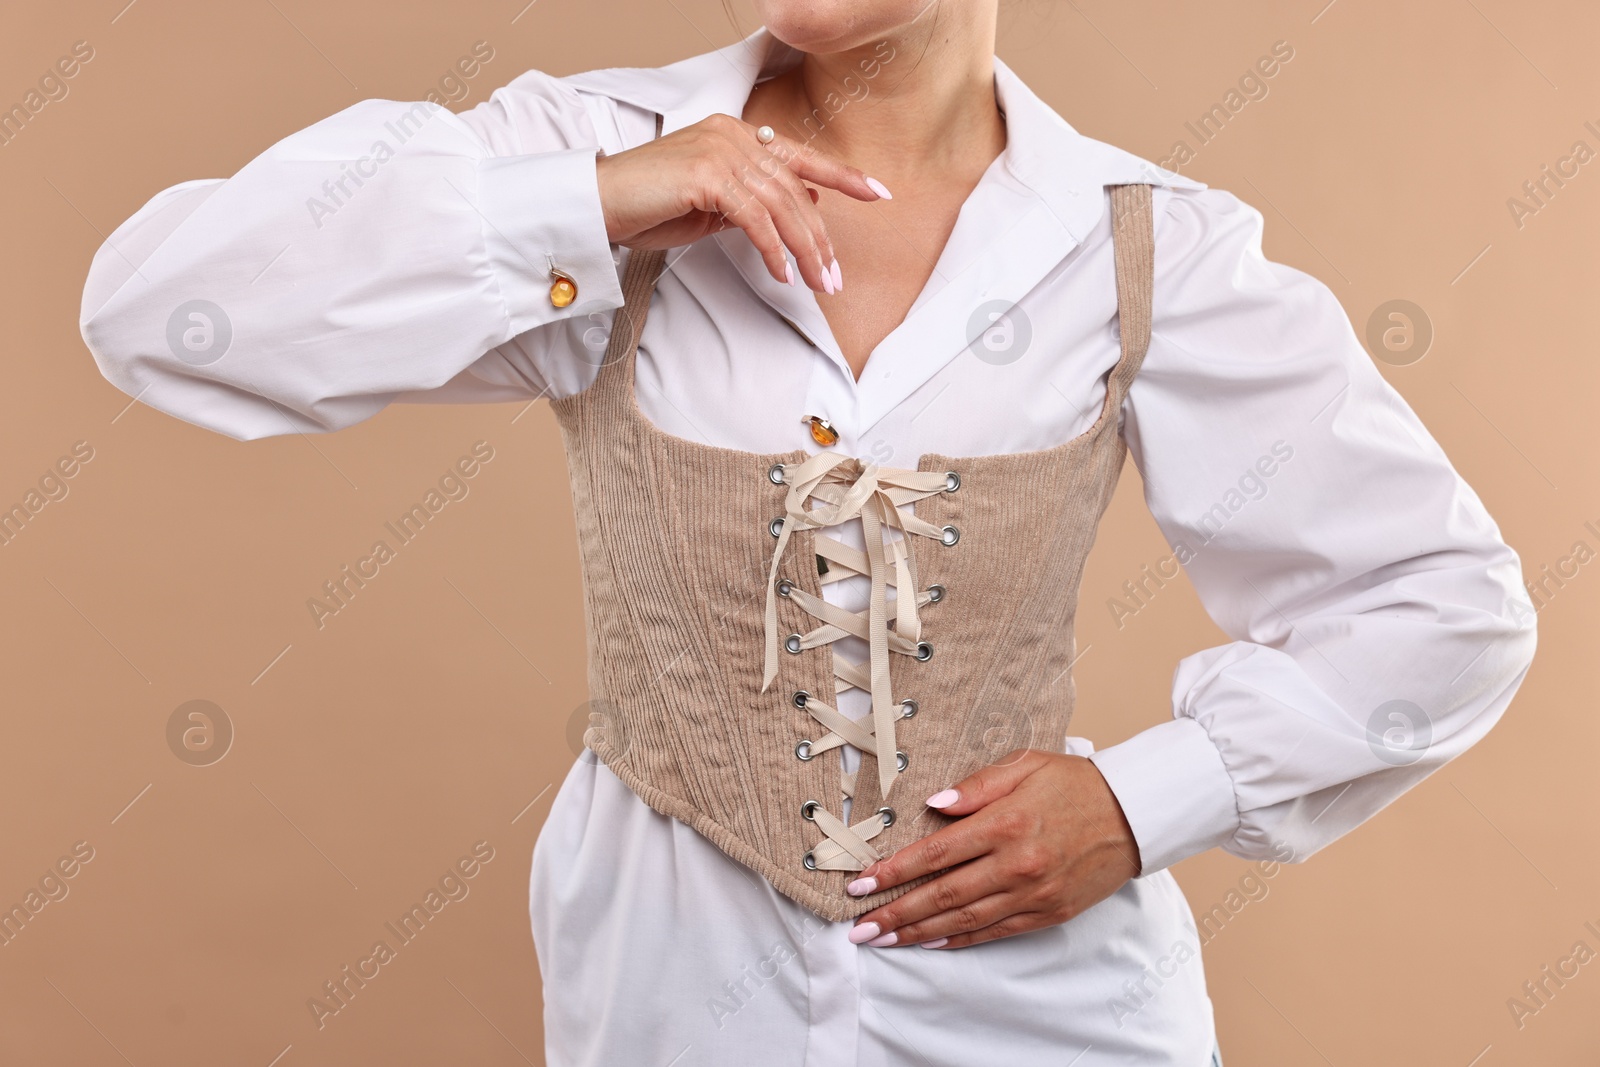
(765, 134)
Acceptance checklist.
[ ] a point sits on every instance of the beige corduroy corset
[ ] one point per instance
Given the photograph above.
(710, 640)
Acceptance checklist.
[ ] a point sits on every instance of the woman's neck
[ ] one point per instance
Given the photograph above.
(918, 102)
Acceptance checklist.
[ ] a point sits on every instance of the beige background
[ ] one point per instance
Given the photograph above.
(434, 712)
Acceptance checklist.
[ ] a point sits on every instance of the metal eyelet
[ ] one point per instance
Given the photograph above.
(952, 481)
(908, 708)
(775, 527)
(948, 535)
(800, 698)
(808, 809)
(887, 814)
(775, 474)
(792, 644)
(935, 593)
(802, 751)
(901, 761)
(785, 587)
(809, 861)
(924, 651)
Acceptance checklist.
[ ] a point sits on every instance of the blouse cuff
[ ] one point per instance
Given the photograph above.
(543, 209)
(1174, 790)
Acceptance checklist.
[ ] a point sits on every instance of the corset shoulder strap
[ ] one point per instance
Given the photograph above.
(1133, 240)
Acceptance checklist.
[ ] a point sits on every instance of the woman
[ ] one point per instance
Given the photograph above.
(697, 897)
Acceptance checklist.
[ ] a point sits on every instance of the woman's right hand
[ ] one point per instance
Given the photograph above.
(696, 181)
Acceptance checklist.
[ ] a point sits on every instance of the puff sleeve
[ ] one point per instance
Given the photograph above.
(1377, 619)
(374, 256)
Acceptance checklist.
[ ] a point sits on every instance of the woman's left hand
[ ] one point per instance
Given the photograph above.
(1043, 839)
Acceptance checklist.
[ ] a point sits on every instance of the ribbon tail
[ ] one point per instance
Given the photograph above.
(882, 701)
(908, 623)
(770, 667)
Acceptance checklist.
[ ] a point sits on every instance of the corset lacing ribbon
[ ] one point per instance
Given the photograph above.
(848, 488)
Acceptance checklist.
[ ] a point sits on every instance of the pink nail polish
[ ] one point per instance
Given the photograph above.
(938, 942)
(788, 272)
(861, 887)
(827, 282)
(876, 186)
(838, 278)
(943, 799)
(863, 932)
(885, 941)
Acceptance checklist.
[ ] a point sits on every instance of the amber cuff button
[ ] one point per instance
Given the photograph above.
(563, 290)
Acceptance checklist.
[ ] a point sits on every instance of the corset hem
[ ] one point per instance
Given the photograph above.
(840, 908)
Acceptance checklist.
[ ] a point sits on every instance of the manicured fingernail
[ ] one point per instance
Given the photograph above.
(788, 272)
(861, 887)
(838, 278)
(944, 798)
(885, 941)
(863, 932)
(827, 281)
(938, 942)
(876, 186)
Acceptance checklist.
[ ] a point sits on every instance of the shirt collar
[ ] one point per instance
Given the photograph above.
(1043, 152)
(1038, 201)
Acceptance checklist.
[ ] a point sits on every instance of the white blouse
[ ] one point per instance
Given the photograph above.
(399, 252)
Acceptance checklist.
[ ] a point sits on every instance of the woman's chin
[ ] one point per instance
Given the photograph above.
(825, 26)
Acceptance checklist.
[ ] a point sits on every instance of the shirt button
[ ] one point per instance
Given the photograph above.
(563, 291)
